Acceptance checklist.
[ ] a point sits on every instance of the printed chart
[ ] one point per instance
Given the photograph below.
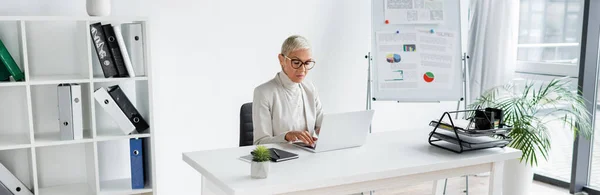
(420, 58)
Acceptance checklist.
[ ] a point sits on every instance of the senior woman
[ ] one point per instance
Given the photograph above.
(287, 108)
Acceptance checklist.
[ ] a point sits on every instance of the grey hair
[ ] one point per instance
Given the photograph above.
(293, 43)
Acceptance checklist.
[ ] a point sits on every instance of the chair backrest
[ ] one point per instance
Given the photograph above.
(246, 128)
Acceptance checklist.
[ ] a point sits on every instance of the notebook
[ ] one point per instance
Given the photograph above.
(277, 155)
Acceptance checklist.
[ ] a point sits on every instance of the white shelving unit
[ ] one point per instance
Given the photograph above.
(58, 49)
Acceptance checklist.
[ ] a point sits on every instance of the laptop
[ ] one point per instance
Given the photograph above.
(341, 130)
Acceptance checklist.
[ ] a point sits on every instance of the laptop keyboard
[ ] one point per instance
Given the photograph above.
(304, 145)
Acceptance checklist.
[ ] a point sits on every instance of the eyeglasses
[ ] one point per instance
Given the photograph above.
(297, 63)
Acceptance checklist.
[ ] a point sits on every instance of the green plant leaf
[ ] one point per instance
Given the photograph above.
(531, 110)
(261, 154)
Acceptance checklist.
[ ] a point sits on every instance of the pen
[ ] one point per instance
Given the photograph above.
(276, 154)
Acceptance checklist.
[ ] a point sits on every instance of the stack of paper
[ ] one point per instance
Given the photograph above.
(458, 123)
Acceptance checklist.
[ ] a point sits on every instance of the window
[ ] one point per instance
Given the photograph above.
(548, 47)
(549, 36)
(595, 166)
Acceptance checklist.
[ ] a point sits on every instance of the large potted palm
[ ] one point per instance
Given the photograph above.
(529, 110)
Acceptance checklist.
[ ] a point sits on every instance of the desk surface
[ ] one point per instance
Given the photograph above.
(385, 155)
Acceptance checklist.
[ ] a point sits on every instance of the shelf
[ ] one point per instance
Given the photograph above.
(30, 143)
(72, 189)
(66, 169)
(57, 79)
(9, 142)
(18, 162)
(120, 186)
(12, 83)
(72, 18)
(53, 139)
(108, 135)
(106, 80)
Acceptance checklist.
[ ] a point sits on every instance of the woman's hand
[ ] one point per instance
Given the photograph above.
(303, 136)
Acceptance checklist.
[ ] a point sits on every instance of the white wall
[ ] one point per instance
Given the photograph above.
(68, 7)
(223, 49)
(209, 55)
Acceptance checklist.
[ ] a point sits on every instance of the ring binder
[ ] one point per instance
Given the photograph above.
(4, 190)
(102, 50)
(70, 111)
(128, 108)
(110, 106)
(12, 183)
(137, 163)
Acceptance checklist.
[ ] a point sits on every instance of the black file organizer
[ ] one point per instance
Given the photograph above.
(501, 141)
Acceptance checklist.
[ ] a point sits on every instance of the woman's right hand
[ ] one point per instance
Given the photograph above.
(303, 136)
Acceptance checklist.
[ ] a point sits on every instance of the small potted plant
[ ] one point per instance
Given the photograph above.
(260, 162)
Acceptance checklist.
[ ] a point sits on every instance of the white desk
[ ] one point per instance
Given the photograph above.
(387, 160)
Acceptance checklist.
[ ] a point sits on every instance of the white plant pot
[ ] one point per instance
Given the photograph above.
(518, 178)
(259, 170)
(98, 7)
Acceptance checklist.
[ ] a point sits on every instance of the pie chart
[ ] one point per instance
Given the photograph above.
(392, 58)
(428, 77)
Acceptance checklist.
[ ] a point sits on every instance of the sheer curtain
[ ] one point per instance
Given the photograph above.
(493, 36)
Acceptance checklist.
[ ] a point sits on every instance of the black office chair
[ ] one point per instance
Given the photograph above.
(246, 128)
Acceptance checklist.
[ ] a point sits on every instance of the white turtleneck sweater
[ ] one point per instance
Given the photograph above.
(280, 106)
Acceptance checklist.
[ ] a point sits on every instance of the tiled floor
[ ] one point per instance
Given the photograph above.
(478, 185)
